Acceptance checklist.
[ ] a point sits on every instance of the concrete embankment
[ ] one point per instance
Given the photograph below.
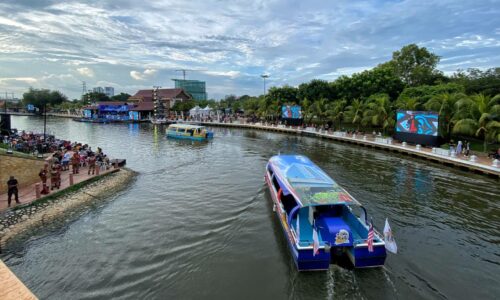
(42, 212)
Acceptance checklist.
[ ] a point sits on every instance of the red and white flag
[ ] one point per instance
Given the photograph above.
(315, 242)
(369, 241)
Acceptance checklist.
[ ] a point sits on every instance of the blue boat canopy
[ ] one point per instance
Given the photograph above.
(298, 175)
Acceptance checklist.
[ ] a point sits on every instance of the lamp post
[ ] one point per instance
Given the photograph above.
(264, 76)
(44, 121)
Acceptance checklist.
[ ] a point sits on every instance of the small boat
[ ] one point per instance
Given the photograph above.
(191, 132)
(318, 216)
(158, 121)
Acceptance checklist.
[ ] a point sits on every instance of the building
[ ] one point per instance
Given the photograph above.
(144, 104)
(195, 88)
(109, 91)
(98, 89)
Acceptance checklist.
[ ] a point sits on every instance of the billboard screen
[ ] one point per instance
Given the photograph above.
(417, 122)
(291, 112)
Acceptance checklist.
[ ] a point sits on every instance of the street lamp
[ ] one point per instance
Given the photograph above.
(264, 76)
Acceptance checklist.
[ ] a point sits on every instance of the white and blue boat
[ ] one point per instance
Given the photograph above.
(189, 132)
(311, 207)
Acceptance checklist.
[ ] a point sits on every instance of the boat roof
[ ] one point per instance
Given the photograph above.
(186, 126)
(311, 186)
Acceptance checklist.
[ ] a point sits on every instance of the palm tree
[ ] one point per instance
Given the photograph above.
(336, 111)
(379, 112)
(408, 104)
(354, 112)
(444, 105)
(320, 109)
(479, 116)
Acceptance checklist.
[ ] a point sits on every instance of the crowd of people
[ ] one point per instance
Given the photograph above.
(65, 156)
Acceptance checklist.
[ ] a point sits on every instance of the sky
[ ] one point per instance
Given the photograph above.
(132, 45)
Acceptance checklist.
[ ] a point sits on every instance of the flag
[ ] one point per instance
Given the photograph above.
(297, 228)
(390, 243)
(315, 242)
(369, 241)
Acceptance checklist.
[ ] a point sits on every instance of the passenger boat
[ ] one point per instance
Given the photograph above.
(191, 132)
(310, 204)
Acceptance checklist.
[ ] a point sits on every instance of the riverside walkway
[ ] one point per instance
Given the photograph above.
(479, 164)
(11, 287)
(28, 194)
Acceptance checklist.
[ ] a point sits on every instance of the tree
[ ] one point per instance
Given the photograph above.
(476, 81)
(96, 97)
(424, 93)
(415, 65)
(379, 112)
(183, 106)
(283, 95)
(337, 111)
(354, 112)
(315, 90)
(479, 115)
(121, 97)
(42, 97)
(444, 105)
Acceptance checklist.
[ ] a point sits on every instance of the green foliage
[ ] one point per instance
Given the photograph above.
(415, 65)
(283, 95)
(183, 106)
(42, 97)
(476, 81)
(379, 112)
(121, 97)
(315, 90)
(96, 97)
(381, 79)
(422, 94)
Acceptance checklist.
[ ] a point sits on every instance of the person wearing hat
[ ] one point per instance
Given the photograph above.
(12, 190)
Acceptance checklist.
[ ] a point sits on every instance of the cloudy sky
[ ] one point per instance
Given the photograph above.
(131, 44)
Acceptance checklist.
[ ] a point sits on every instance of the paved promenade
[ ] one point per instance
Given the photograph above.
(476, 163)
(11, 288)
(27, 194)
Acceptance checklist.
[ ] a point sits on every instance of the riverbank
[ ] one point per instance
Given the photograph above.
(474, 163)
(41, 212)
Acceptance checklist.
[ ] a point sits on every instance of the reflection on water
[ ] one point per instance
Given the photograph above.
(198, 223)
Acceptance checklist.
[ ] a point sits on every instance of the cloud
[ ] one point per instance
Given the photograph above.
(141, 76)
(294, 41)
(22, 79)
(230, 74)
(85, 71)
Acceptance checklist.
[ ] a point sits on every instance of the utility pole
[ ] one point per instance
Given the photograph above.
(264, 76)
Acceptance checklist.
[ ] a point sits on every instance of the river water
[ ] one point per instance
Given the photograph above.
(198, 224)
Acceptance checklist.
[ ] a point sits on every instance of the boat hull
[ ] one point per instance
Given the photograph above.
(303, 258)
(183, 136)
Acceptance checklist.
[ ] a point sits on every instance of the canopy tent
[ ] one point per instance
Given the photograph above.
(195, 111)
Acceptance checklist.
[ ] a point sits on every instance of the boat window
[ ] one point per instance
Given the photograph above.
(276, 184)
(288, 202)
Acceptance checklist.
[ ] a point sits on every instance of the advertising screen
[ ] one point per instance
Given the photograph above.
(417, 122)
(291, 112)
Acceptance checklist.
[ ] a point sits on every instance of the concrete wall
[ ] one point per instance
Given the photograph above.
(24, 169)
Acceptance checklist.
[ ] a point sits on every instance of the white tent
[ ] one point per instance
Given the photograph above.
(195, 111)
(207, 111)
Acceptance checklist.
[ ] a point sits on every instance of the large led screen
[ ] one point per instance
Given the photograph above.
(417, 122)
(291, 112)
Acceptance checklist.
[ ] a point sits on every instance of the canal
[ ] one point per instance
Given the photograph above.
(198, 223)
